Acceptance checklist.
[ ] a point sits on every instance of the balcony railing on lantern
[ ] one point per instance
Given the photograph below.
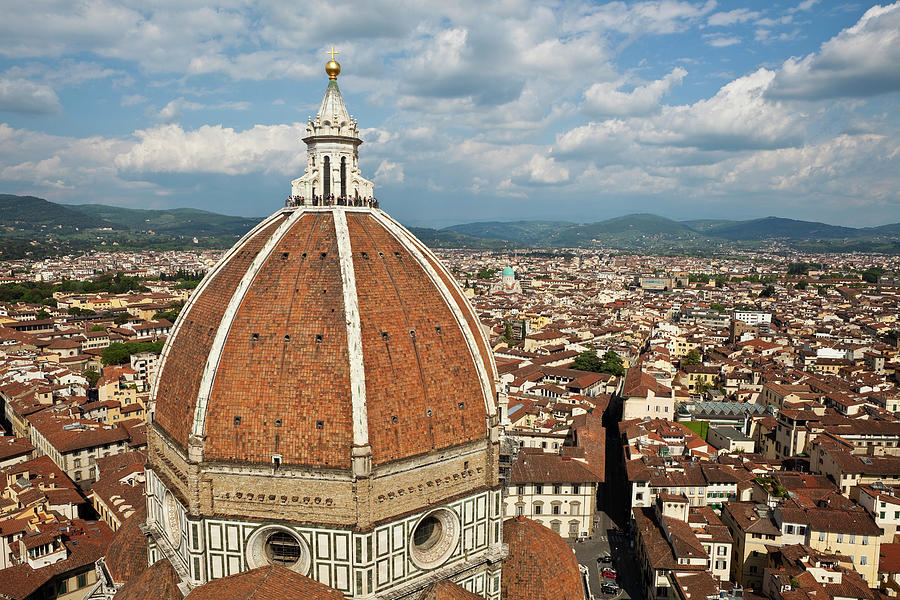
(332, 200)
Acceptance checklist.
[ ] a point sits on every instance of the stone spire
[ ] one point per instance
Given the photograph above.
(332, 143)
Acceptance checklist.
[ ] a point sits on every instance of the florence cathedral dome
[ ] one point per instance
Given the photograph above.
(326, 407)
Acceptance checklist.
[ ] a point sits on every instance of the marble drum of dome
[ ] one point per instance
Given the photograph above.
(327, 402)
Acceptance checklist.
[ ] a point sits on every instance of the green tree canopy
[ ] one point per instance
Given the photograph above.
(98, 328)
(588, 361)
(612, 364)
(692, 358)
(118, 353)
(871, 274)
(93, 376)
(768, 292)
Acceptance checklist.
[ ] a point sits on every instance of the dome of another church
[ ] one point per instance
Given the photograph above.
(508, 272)
(326, 329)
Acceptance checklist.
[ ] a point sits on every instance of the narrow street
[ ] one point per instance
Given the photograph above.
(613, 517)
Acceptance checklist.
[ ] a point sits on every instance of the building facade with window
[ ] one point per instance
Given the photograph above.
(557, 491)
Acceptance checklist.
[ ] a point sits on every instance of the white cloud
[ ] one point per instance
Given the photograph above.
(389, 172)
(172, 112)
(544, 169)
(722, 41)
(738, 15)
(215, 149)
(133, 99)
(27, 97)
(860, 61)
(653, 17)
(606, 99)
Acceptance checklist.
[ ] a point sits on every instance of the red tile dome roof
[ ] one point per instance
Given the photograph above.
(540, 565)
(324, 330)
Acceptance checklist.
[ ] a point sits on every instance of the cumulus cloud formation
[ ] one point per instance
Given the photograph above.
(389, 172)
(859, 62)
(27, 97)
(543, 169)
(606, 99)
(215, 149)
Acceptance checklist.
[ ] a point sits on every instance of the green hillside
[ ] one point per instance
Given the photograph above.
(34, 228)
(776, 227)
(28, 213)
(177, 221)
(519, 233)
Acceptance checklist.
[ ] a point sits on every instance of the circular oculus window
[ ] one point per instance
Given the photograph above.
(172, 518)
(277, 545)
(434, 539)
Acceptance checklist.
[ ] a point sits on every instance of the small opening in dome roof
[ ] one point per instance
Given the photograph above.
(438, 330)
(254, 337)
(237, 419)
(397, 254)
(395, 419)
(461, 405)
(319, 337)
(412, 333)
(365, 255)
(323, 255)
(284, 255)
(384, 336)
(428, 412)
(287, 337)
(320, 424)
(277, 422)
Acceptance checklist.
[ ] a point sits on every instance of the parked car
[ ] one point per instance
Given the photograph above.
(609, 587)
(604, 559)
(609, 572)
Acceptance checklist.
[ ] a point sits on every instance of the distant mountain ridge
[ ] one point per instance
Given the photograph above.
(34, 226)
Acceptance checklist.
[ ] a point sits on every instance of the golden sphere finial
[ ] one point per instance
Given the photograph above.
(333, 67)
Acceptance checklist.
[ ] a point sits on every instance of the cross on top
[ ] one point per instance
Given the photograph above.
(332, 52)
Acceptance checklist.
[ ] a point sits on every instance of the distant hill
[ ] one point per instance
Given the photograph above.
(701, 225)
(33, 227)
(519, 233)
(776, 227)
(446, 238)
(29, 213)
(176, 221)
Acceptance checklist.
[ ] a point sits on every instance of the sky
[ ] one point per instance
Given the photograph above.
(469, 111)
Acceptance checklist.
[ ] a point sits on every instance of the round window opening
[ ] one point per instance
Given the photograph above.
(434, 538)
(283, 549)
(278, 545)
(427, 534)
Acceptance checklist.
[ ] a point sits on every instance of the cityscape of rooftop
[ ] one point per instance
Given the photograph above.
(605, 381)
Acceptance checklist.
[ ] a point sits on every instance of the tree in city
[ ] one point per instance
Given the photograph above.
(92, 375)
(588, 361)
(692, 358)
(612, 364)
(767, 292)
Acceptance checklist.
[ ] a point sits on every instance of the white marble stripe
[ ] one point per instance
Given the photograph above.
(409, 242)
(354, 331)
(215, 353)
(199, 290)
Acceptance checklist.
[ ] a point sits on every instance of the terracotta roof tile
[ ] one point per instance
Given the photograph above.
(540, 565)
(265, 583)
